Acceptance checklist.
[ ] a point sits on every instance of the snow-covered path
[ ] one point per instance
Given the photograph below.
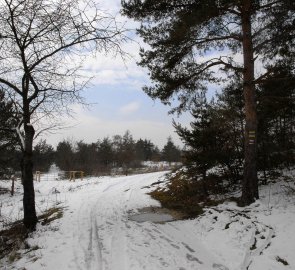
(95, 232)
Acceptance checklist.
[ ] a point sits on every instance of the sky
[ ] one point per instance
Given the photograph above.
(117, 101)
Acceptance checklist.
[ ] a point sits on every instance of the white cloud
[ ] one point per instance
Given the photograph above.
(117, 74)
(106, 69)
(90, 128)
(109, 68)
(129, 108)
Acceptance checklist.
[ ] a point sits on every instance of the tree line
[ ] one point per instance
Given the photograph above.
(108, 153)
(92, 158)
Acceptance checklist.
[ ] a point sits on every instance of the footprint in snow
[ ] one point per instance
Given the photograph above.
(193, 258)
(219, 266)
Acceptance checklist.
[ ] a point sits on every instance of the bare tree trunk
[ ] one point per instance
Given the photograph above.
(30, 217)
(39, 41)
(250, 181)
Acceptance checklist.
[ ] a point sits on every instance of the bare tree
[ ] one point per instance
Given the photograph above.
(42, 46)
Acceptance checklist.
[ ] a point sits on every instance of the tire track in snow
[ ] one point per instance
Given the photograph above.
(105, 220)
(94, 254)
(88, 240)
(118, 247)
(114, 242)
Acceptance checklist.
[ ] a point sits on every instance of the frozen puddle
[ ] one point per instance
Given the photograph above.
(152, 217)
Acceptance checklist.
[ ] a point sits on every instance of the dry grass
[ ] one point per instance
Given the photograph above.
(51, 215)
(14, 237)
(183, 195)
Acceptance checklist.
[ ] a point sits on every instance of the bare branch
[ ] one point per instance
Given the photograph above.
(42, 47)
(10, 85)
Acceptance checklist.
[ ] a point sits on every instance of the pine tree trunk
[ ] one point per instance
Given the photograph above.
(250, 182)
(30, 217)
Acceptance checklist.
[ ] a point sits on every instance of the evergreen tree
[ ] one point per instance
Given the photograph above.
(211, 141)
(216, 134)
(124, 151)
(276, 120)
(171, 152)
(181, 32)
(106, 154)
(231, 116)
(145, 150)
(65, 158)
(43, 156)
(140, 151)
(8, 139)
(201, 144)
(127, 153)
(86, 158)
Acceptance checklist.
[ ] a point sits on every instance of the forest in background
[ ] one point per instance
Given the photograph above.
(92, 158)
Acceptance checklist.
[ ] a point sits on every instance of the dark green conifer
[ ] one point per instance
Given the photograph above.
(193, 41)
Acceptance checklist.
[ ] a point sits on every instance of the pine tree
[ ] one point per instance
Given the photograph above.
(65, 158)
(43, 156)
(145, 150)
(86, 158)
(171, 152)
(201, 142)
(213, 140)
(106, 155)
(276, 119)
(8, 139)
(180, 33)
(124, 150)
(127, 151)
(231, 114)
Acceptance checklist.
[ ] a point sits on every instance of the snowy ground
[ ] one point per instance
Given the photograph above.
(95, 232)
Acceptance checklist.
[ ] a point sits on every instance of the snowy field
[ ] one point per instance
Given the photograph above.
(95, 232)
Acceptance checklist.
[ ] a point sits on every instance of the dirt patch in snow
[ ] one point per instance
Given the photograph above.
(156, 215)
